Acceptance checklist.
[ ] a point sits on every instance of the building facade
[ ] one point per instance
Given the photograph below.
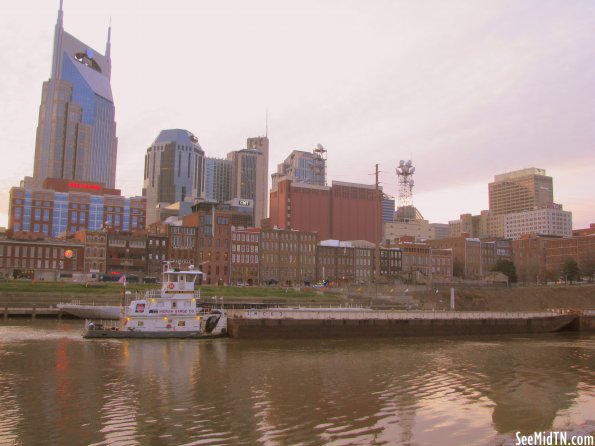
(287, 257)
(95, 252)
(218, 180)
(174, 171)
(157, 250)
(356, 212)
(41, 259)
(420, 229)
(521, 190)
(302, 167)
(245, 254)
(126, 255)
(250, 180)
(388, 209)
(76, 132)
(182, 244)
(344, 211)
(301, 206)
(541, 259)
(213, 223)
(64, 207)
(551, 220)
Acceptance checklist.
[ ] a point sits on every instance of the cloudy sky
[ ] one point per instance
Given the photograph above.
(467, 89)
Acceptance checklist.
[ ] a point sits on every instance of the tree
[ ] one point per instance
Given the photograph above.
(507, 268)
(571, 272)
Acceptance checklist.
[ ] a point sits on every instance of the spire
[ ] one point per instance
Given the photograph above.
(57, 56)
(108, 45)
(60, 15)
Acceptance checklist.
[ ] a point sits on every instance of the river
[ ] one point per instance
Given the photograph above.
(58, 389)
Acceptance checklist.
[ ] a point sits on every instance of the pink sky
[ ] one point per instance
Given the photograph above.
(466, 89)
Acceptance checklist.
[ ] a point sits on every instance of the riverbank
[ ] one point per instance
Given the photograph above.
(514, 299)
(46, 294)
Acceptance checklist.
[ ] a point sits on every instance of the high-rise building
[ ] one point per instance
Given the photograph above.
(250, 175)
(388, 209)
(76, 133)
(174, 171)
(521, 190)
(303, 167)
(218, 180)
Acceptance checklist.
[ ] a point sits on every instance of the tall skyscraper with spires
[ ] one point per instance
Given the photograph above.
(76, 133)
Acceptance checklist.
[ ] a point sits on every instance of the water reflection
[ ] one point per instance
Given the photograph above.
(56, 388)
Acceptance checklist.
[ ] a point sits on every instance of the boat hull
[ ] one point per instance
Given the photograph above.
(102, 312)
(276, 328)
(127, 334)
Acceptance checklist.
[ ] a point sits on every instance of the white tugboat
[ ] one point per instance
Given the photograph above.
(172, 312)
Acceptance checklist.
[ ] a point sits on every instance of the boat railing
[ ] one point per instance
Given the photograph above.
(354, 313)
(156, 293)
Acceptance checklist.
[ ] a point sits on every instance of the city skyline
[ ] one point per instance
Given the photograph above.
(468, 91)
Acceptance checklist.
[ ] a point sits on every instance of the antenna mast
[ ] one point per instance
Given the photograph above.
(405, 181)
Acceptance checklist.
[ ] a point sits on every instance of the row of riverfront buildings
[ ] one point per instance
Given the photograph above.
(70, 220)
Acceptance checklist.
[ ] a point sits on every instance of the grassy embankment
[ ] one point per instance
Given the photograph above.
(46, 293)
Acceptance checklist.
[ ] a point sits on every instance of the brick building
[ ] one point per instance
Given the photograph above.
(539, 258)
(344, 211)
(301, 206)
(212, 223)
(157, 249)
(42, 259)
(336, 264)
(95, 251)
(244, 259)
(126, 255)
(64, 207)
(473, 258)
(287, 257)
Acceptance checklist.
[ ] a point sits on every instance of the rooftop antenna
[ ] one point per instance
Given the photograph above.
(108, 45)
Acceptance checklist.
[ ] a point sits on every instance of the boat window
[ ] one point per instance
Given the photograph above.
(182, 277)
(140, 323)
(173, 304)
(181, 323)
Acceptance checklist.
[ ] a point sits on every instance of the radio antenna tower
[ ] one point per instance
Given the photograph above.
(319, 165)
(405, 181)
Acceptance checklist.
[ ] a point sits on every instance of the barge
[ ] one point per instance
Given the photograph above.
(295, 323)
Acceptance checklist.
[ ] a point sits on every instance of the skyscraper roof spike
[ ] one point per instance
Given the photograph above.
(108, 45)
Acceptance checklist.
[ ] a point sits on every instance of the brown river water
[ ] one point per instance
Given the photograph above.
(59, 389)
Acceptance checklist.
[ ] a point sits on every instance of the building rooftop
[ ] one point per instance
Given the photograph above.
(179, 136)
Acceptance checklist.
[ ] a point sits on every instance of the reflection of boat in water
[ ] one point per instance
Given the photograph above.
(112, 312)
(170, 312)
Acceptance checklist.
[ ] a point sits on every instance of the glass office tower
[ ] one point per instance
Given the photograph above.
(76, 133)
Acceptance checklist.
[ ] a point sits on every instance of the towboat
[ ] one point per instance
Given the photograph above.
(174, 311)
